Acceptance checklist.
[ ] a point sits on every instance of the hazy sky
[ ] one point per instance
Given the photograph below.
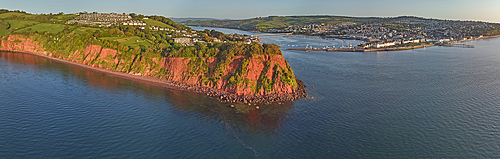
(484, 10)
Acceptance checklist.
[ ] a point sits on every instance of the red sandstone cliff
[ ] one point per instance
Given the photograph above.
(178, 71)
(178, 68)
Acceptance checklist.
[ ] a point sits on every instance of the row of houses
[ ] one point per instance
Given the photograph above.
(104, 17)
(186, 41)
(155, 28)
(390, 43)
(133, 22)
(106, 24)
(109, 24)
(251, 39)
(88, 22)
(183, 41)
(190, 41)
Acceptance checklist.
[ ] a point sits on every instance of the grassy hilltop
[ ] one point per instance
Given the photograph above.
(121, 37)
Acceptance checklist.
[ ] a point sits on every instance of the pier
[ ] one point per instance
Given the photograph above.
(274, 34)
(457, 45)
(363, 49)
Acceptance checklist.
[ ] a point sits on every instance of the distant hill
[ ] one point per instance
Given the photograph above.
(276, 22)
(179, 20)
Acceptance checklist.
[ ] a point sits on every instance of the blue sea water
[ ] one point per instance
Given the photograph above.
(437, 102)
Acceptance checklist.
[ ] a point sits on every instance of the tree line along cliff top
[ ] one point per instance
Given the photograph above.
(160, 35)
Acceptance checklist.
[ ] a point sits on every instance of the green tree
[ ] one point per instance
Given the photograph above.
(97, 34)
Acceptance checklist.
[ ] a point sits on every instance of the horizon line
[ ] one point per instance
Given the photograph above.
(434, 18)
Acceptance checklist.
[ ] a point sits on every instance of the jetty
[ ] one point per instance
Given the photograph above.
(457, 45)
(352, 49)
(273, 34)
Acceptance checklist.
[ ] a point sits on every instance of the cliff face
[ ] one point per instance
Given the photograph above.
(244, 75)
(256, 70)
(18, 43)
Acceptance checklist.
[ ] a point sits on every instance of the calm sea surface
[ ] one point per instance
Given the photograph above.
(436, 102)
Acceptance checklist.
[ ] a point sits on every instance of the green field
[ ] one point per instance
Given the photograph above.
(84, 29)
(266, 25)
(51, 28)
(5, 15)
(4, 31)
(54, 19)
(130, 41)
(157, 23)
(61, 18)
(66, 17)
(14, 24)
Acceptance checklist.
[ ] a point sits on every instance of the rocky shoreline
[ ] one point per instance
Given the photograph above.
(225, 97)
(222, 96)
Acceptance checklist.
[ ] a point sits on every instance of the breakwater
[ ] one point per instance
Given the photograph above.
(364, 50)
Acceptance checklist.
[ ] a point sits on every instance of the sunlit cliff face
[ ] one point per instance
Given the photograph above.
(261, 75)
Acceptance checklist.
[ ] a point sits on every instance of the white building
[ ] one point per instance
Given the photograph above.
(386, 44)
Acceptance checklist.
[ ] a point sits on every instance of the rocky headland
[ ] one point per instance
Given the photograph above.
(246, 79)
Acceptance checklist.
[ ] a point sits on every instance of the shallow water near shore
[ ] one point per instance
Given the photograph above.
(437, 102)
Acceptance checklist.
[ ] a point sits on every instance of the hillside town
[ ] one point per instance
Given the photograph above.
(184, 37)
(102, 19)
(190, 40)
(405, 31)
